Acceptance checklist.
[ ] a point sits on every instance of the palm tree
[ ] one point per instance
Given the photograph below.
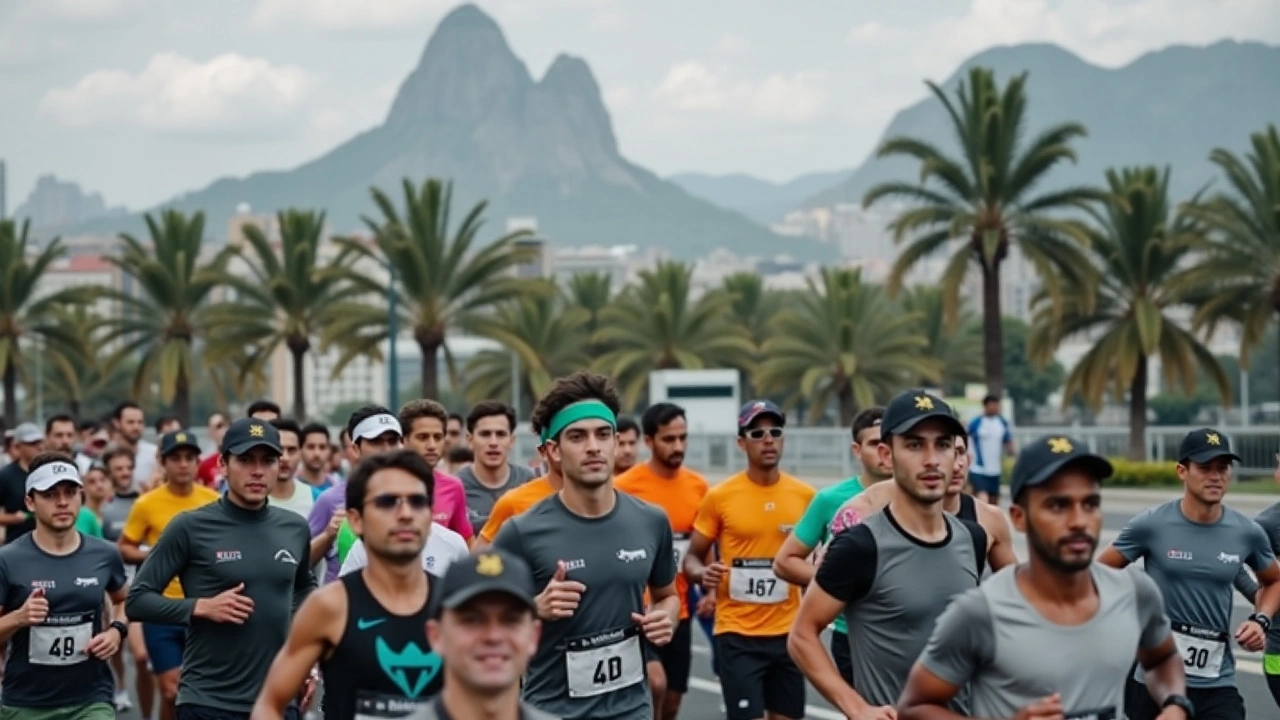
(1129, 312)
(657, 325)
(753, 307)
(25, 314)
(844, 341)
(954, 336)
(166, 317)
(1239, 274)
(542, 334)
(591, 291)
(284, 299)
(84, 378)
(439, 279)
(980, 204)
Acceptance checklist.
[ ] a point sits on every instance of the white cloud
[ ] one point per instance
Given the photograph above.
(347, 14)
(786, 98)
(230, 95)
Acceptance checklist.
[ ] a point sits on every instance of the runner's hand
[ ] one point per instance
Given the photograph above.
(656, 625)
(1173, 712)
(1250, 636)
(335, 524)
(706, 605)
(880, 712)
(35, 609)
(561, 596)
(104, 644)
(712, 576)
(1046, 708)
(228, 606)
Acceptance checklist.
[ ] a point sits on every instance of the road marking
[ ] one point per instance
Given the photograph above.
(697, 683)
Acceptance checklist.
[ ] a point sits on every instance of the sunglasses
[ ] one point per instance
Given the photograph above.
(759, 433)
(417, 501)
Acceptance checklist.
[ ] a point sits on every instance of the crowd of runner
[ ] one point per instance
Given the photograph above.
(413, 568)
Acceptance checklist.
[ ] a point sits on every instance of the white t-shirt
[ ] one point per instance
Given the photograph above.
(303, 498)
(444, 547)
(987, 437)
(144, 463)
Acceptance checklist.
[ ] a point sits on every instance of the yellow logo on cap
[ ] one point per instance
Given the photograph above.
(1060, 445)
(924, 402)
(489, 564)
(180, 437)
(1212, 438)
(257, 431)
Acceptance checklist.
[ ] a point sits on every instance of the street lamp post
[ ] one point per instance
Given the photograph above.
(393, 325)
(515, 383)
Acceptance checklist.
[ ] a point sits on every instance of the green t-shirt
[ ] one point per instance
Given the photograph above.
(88, 523)
(814, 528)
(345, 541)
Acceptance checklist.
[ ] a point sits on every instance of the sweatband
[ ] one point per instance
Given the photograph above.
(375, 426)
(583, 410)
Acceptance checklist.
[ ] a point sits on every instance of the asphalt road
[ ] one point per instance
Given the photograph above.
(704, 703)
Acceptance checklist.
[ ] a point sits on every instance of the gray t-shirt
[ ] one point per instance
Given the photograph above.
(894, 586)
(1195, 566)
(46, 665)
(115, 514)
(1269, 521)
(992, 640)
(481, 498)
(591, 665)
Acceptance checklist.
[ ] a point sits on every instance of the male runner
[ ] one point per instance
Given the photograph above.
(956, 502)
(595, 550)
(628, 440)
(423, 422)
(288, 493)
(896, 571)
(748, 516)
(819, 524)
(150, 515)
(443, 548)
(28, 442)
(52, 581)
(115, 515)
(665, 482)
(207, 473)
(1194, 548)
(991, 439)
(262, 410)
(128, 423)
(527, 495)
(365, 630)
(491, 427)
(1054, 637)
(243, 568)
(60, 434)
(453, 431)
(486, 631)
(316, 448)
(1269, 521)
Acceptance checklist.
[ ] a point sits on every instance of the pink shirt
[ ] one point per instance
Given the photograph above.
(451, 505)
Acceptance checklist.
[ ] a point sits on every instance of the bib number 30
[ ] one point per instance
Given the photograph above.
(1202, 649)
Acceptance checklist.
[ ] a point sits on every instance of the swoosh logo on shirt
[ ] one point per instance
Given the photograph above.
(363, 624)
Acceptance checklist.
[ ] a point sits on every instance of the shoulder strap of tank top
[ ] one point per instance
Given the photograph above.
(968, 508)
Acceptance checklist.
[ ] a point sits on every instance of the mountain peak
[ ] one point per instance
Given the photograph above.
(467, 71)
(571, 85)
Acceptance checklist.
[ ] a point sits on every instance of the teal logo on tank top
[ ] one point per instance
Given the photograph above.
(411, 662)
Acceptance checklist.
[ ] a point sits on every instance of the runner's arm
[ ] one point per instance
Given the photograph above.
(310, 637)
(502, 511)
(1164, 670)
(1263, 561)
(694, 560)
(1131, 543)
(1246, 586)
(662, 577)
(131, 536)
(962, 641)
(303, 581)
(999, 539)
(792, 561)
(846, 575)
(146, 602)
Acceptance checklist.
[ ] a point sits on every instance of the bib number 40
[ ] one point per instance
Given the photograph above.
(608, 670)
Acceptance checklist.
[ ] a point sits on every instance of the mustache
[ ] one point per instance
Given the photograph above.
(1076, 537)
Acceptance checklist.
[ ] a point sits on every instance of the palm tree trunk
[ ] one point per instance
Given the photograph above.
(74, 406)
(847, 407)
(299, 384)
(430, 368)
(1138, 413)
(182, 401)
(992, 332)
(10, 395)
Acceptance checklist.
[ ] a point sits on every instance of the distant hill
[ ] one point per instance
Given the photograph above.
(764, 201)
(1171, 106)
(471, 112)
(55, 204)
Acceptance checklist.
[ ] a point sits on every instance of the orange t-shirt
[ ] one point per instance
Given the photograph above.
(514, 502)
(680, 497)
(749, 522)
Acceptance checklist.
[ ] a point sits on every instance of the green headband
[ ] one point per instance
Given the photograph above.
(584, 410)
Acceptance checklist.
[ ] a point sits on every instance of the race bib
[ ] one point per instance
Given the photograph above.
(1202, 649)
(751, 580)
(373, 706)
(1099, 714)
(680, 543)
(602, 663)
(61, 640)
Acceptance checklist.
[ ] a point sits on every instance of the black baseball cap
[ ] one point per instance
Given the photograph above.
(1044, 457)
(492, 571)
(910, 408)
(171, 442)
(246, 434)
(1203, 445)
(758, 408)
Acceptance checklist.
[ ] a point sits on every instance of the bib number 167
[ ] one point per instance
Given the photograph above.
(761, 587)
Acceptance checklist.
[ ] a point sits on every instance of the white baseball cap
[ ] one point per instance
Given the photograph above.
(375, 426)
(45, 477)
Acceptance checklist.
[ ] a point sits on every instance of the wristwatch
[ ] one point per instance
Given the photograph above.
(1263, 621)
(1182, 702)
(120, 628)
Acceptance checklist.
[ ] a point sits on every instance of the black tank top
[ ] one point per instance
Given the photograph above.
(383, 667)
(968, 508)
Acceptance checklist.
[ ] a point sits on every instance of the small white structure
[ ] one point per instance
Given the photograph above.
(710, 398)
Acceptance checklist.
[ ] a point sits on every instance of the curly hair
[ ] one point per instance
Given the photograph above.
(577, 387)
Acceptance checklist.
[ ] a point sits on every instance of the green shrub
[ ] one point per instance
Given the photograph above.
(1133, 474)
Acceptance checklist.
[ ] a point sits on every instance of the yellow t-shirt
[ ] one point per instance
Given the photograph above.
(152, 513)
(749, 522)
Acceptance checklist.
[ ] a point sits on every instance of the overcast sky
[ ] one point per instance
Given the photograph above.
(144, 99)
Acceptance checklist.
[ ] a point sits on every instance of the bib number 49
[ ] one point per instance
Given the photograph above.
(63, 647)
(608, 670)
